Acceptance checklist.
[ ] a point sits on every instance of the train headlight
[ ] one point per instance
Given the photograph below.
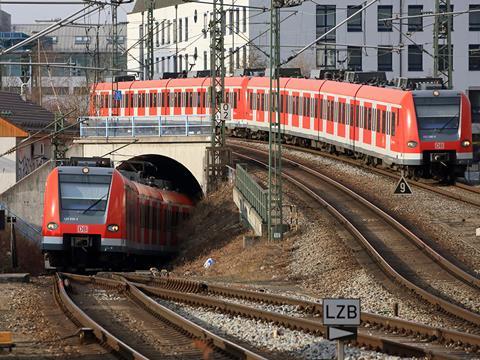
(85, 170)
(52, 226)
(466, 143)
(113, 227)
(412, 144)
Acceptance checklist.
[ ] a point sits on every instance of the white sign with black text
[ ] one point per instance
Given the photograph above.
(341, 312)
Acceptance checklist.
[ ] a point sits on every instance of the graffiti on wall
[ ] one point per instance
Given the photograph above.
(29, 158)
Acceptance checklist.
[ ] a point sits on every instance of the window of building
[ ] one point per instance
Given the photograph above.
(237, 20)
(54, 39)
(157, 65)
(384, 12)
(180, 30)
(175, 39)
(157, 27)
(205, 25)
(354, 58)
(163, 64)
(444, 18)
(230, 21)
(79, 40)
(474, 17)
(168, 32)
(163, 32)
(474, 57)
(180, 63)
(175, 65)
(355, 23)
(415, 23)
(237, 58)
(244, 20)
(384, 59)
(230, 60)
(444, 59)
(187, 65)
(186, 29)
(205, 60)
(415, 57)
(244, 53)
(325, 20)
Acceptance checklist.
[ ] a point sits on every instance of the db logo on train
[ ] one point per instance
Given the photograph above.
(439, 146)
(82, 229)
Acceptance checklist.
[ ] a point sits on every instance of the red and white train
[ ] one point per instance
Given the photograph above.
(425, 132)
(94, 217)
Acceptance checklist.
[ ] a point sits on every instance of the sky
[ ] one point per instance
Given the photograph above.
(26, 14)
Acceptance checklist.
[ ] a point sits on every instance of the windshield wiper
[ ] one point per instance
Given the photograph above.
(95, 203)
(448, 122)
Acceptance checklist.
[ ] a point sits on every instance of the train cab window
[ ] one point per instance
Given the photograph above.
(235, 99)
(84, 196)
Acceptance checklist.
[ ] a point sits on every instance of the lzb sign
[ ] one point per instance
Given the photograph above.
(225, 112)
(342, 317)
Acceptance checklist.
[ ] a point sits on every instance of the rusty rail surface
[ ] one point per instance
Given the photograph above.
(159, 311)
(447, 306)
(439, 334)
(295, 323)
(384, 172)
(80, 317)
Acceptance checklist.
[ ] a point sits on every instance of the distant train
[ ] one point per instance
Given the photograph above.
(422, 132)
(95, 217)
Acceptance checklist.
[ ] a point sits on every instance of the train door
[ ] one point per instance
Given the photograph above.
(116, 100)
(381, 126)
(249, 105)
(329, 129)
(395, 131)
(165, 102)
(341, 118)
(353, 110)
(141, 103)
(367, 123)
(305, 111)
(129, 103)
(188, 101)
(153, 102)
(104, 109)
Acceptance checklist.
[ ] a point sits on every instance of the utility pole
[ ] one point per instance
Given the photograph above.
(218, 155)
(176, 39)
(275, 202)
(115, 103)
(442, 42)
(150, 4)
(39, 74)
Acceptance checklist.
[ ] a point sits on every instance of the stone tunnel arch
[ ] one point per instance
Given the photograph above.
(171, 170)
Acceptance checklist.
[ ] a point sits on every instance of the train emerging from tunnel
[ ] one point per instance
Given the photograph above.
(96, 217)
(425, 132)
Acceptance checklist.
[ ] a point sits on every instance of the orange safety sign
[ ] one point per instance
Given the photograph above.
(6, 338)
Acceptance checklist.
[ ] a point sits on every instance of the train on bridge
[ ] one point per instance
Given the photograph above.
(425, 132)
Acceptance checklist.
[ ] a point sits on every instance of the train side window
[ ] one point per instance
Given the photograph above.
(384, 121)
(235, 99)
(394, 116)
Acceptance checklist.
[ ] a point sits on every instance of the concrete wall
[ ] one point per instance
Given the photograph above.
(248, 213)
(25, 198)
(7, 164)
(188, 151)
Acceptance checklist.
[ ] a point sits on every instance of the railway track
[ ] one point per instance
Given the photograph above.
(462, 192)
(388, 335)
(134, 326)
(398, 252)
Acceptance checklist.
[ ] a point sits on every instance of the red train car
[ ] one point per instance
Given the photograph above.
(423, 132)
(94, 217)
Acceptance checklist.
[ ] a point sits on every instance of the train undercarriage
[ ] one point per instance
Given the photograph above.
(440, 166)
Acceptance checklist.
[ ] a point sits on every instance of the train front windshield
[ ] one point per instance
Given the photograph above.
(84, 197)
(438, 117)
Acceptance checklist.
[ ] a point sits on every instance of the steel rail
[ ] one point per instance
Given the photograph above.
(309, 307)
(294, 323)
(384, 172)
(102, 335)
(447, 306)
(160, 311)
(433, 254)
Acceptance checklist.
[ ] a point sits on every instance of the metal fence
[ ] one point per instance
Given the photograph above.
(29, 231)
(252, 191)
(138, 126)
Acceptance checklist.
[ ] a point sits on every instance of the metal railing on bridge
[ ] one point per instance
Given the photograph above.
(139, 126)
(252, 191)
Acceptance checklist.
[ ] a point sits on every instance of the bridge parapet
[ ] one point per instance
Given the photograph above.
(144, 126)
